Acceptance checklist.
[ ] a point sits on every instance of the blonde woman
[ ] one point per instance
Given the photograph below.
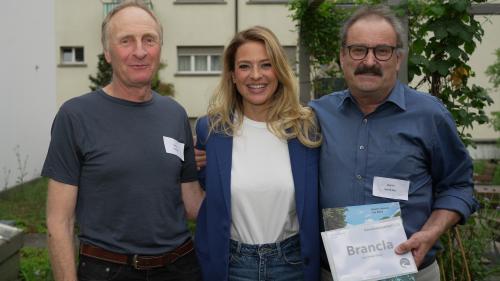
(259, 220)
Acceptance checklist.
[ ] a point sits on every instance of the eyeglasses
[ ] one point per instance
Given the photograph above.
(381, 52)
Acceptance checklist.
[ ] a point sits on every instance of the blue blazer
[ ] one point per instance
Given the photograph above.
(214, 218)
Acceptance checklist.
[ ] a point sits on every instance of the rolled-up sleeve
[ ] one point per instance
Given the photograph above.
(451, 168)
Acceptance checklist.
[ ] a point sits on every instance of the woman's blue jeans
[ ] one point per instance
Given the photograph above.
(275, 261)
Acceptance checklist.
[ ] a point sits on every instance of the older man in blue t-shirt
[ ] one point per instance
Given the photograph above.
(121, 164)
(379, 130)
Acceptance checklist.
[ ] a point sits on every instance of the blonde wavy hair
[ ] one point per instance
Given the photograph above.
(286, 117)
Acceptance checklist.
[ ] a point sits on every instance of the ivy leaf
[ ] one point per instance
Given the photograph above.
(442, 66)
(438, 11)
(454, 29)
(469, 47)
(440, 32)
(465, 35)
(454, 52)
(418, 45)
(418, 60)
(460, 5)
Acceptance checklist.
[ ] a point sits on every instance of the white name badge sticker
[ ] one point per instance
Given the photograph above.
(174, 147)
(390, 188)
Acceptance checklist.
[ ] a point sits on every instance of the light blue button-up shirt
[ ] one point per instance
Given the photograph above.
(411, 137)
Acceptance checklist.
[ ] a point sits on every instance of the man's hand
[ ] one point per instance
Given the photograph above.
(201, 158)
(419, 244)
(422, 241)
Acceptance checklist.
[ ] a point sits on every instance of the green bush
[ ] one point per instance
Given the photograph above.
(479, 166)
(496, 176)
(466, 246)
(35, 265)
(25, 204)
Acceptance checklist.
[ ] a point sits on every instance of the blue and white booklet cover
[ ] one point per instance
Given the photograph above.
(360, 241)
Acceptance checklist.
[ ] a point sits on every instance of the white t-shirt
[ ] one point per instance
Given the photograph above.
(262, 189)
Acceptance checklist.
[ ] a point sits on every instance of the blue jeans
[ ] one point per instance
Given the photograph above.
(274, 261)
(185, 268)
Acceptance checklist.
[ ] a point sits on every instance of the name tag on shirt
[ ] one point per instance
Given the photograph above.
(390, 188)
(174, 147)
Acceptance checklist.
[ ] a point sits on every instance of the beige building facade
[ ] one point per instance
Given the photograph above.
(195, 33)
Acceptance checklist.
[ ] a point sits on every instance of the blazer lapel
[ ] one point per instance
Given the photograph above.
(298, 159)
(224, 152)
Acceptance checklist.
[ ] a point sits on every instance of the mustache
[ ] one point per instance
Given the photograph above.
(367, 70)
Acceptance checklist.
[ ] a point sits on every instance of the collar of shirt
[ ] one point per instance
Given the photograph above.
(396, 97)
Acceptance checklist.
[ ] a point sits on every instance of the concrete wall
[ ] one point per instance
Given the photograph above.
(27, 87)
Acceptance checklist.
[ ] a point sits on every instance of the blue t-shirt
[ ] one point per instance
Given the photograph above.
(129, 187)
(411, 137)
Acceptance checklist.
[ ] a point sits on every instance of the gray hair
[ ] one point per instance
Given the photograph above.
(381, 11)
(125, 4)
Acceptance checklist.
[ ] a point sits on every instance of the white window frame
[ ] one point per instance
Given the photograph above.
(200, 2)
(192, 63)
(73, 60)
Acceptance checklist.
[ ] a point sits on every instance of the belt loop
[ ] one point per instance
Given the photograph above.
(135, 262)
(278, 247)
(238, 247)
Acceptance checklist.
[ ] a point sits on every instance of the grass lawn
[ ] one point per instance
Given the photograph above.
(25, 205)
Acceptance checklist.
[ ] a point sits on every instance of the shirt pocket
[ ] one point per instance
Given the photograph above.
(402, 162)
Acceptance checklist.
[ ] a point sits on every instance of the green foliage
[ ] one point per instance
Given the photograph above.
(105, 74)
(320, 27)
(467, 247)
(35, 265)
(25, 204)
(443, 36)
(496, 176)
(493, 71)
(479, 166)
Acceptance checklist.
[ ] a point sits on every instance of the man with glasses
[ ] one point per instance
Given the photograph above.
(381, 132)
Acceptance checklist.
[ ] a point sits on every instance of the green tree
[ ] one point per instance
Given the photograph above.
(319, 26)
(105, 74)
(443, 36)
(493, 71)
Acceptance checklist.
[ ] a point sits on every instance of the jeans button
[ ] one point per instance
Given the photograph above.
(306, 261)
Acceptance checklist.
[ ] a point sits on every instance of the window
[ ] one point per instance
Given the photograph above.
(200, 2)
(267, 2)
(199, 60)
(109, 5)
(72, 55)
